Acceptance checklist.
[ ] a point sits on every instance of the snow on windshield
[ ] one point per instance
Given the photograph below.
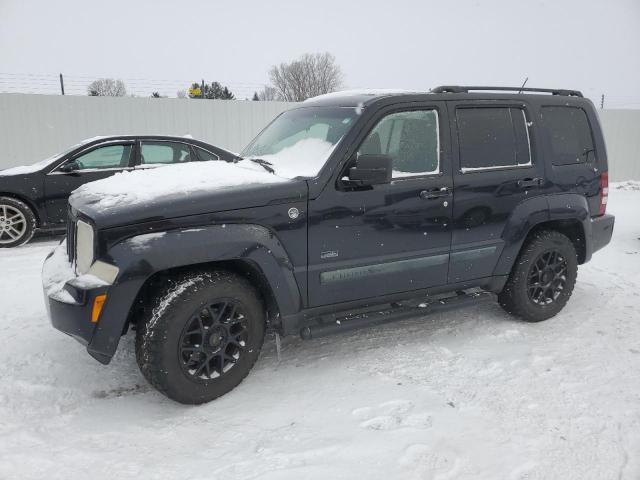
(299, 142)
(304, 158)
(147, 186)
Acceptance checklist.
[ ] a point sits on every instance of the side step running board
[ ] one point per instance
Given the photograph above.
(353, 321)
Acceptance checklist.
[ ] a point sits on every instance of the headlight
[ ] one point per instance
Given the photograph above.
(84, 247)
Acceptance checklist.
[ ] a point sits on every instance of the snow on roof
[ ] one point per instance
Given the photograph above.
(362, 92)
(148, 185)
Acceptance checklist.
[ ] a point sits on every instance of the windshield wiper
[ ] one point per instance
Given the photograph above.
(264, 164)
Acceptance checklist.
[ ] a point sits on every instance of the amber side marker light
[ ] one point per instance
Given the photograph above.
(98, 303)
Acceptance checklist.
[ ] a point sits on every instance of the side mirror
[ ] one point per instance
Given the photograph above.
(371, 170)
(70, 167)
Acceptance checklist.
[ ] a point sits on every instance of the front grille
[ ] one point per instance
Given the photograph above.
(71, 238)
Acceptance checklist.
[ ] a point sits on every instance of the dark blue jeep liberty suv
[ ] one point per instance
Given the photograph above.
(350, 209)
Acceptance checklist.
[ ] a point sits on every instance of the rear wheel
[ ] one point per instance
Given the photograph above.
(542, 278)
(17, 223)
(201, 337)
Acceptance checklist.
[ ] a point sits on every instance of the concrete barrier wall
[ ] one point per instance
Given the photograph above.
(33, 127)
(622, 135)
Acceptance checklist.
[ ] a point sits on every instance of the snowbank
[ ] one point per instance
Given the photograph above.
(145, 186)
(629, 185)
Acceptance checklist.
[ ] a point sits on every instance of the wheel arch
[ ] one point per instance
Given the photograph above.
(247, 269)
(250, 250)
(572, 228)
(568, 214)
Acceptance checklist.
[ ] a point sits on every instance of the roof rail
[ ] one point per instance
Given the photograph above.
(466, 89)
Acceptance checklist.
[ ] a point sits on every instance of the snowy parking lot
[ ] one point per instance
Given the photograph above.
(467, 394)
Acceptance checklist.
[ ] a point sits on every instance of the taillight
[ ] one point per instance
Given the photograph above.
(604, 192)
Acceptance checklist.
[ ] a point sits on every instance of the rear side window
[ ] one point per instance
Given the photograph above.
(492, 138)
(206, 156)
(164, 152)
(569, 135)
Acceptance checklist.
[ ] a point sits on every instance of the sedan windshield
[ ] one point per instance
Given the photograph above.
(299, 142)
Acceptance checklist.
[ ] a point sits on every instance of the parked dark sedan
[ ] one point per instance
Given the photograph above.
(35, 197)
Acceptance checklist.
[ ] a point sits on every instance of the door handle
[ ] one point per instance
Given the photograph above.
(434, 193)
(529, 182)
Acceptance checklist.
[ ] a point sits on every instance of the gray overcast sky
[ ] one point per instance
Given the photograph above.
(585, 44)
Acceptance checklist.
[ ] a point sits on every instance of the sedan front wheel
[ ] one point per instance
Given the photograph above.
(17, 223)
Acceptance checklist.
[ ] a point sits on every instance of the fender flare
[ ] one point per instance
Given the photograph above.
(142, 256)
(535, 211)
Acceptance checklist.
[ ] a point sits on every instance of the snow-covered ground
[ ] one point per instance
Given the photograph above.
(469, 394)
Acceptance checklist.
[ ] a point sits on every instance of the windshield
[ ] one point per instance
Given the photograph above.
(299, 142)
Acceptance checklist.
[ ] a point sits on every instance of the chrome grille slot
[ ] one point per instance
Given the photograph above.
(71, 238)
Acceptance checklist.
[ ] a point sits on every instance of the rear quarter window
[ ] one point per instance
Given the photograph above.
(569, 135)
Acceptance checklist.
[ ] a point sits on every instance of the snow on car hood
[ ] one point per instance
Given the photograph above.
(146, 187)
(27, 169)
(36, 167)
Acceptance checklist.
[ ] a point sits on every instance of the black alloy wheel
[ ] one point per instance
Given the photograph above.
(542, 277)
(547, 278)
(200, 334)
(213, 340)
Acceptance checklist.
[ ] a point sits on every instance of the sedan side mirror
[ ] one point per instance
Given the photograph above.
(70, 167)
(371, 170)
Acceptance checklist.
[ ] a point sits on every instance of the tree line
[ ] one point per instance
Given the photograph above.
(308, 76)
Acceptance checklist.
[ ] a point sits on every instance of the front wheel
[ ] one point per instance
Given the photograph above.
(542, 278)
(17, 223)
(201, 336)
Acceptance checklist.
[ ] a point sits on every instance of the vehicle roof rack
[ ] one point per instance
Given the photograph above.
(466, 89)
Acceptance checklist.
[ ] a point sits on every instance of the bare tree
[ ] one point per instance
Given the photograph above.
(107, 87)
(308, 76)
(181, 94)
(269, 94)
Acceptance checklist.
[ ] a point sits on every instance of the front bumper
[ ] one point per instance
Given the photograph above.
(601, 231)
(70, 304)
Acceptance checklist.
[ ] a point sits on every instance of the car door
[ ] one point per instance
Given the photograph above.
(158, 153)
(390, 238)
(94, 163)
(494, 171)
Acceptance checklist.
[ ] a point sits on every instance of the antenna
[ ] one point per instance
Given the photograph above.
(523, 84)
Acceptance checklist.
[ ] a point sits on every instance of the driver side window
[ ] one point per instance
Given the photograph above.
(110, 156)
(410, 139)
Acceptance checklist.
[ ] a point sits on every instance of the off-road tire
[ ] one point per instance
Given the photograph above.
(515, 298)
(30, 221)
(160, 333)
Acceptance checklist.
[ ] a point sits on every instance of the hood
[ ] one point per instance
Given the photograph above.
(182, 190)
(26, 170)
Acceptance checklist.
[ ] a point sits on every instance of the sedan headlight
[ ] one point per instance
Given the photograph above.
(84, 247)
